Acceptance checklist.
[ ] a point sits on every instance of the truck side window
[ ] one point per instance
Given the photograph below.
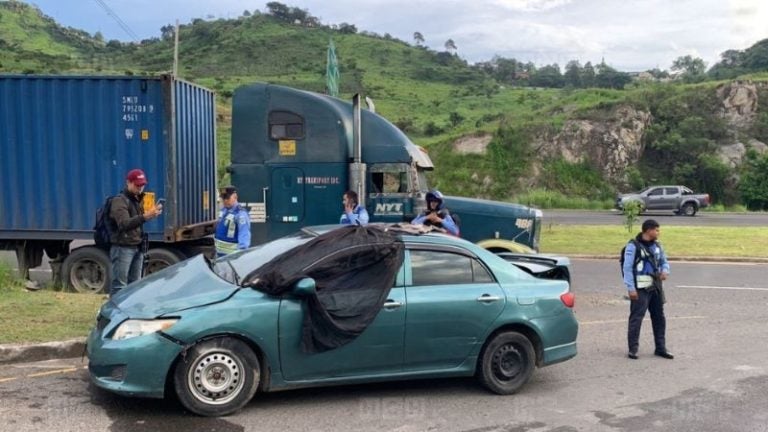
(390, 182)
(285, 125)
(671, 191)
(656, 192)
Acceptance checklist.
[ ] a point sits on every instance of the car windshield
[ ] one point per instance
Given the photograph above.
(234, 267)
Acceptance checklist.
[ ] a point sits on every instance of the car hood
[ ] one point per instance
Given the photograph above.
(186, 285)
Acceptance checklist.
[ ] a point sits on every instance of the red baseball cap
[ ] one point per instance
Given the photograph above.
(137, 177)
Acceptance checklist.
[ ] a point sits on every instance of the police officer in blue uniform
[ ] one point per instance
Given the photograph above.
(233, 232)
(436, 214)
(645, 267)
(354, 213)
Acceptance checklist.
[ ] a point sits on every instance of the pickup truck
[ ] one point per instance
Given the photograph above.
(680, 199)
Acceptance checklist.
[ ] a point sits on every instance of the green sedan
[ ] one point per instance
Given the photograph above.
(203, 330)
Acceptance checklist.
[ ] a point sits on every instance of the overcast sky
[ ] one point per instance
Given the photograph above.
(632, 35)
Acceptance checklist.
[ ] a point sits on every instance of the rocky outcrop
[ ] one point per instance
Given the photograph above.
(733, 154)
(610, 145)
(472, 144)
(739, 103)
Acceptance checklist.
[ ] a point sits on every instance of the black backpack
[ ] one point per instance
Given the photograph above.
(102, 230)
(621, 257)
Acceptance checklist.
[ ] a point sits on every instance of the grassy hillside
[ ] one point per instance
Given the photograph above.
(434, 97)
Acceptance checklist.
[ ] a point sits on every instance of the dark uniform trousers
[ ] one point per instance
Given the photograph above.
(652, 302)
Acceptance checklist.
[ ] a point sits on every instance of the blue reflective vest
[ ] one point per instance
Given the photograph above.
(233, 232)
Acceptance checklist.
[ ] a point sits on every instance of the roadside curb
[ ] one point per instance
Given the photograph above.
(33, 352)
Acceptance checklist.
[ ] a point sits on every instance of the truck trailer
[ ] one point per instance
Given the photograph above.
(66, 144)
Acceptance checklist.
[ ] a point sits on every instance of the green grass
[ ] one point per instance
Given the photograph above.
(548, 199)
(677, 240)
(44, 315)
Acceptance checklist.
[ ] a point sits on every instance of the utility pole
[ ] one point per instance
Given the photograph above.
(176, 50)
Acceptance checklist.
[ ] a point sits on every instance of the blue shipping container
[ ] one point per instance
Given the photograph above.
(66, 143)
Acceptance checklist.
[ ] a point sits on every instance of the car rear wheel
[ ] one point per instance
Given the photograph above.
(688, 209)
(217, 377)
(507, 363)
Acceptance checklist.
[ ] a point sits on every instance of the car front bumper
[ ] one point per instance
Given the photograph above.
(133, 367)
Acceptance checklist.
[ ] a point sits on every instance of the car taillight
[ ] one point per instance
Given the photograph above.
(568, 299)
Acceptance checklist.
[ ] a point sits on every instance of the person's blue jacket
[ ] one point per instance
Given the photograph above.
(233, 232)
(644, 266)
(358, 216)
(448, 223)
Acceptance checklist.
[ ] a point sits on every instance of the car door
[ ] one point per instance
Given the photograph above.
(452, 300)
(671, 197)
(379, 349)
(655, 199)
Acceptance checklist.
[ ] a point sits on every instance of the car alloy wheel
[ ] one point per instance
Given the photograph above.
(507, 362)
(217, 377)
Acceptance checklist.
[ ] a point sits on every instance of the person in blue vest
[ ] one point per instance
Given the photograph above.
(233, 232)
(645, 267)
(354, 213)
(436, 214)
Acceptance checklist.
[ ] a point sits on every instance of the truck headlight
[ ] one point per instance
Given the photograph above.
(133, 328)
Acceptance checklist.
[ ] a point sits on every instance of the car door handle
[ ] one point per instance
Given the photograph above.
(487, 298)
(391, 304)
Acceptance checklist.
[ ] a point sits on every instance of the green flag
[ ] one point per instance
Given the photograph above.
(332, 71)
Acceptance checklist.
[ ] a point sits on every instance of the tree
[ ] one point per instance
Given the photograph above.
(572, 76)
(418, 38)
(347, 28)
(547, 76)
(246, 13)
(455, 118)
(754, 181)
(166, 32)
(692, 69)
(450, 46)
(98, 36)
(588, 75)
(278, 10)
(608, 77)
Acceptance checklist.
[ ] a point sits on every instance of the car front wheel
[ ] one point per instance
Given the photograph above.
(507, 363)
(217, 377)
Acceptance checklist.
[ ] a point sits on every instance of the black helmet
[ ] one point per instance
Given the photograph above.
(435, 195)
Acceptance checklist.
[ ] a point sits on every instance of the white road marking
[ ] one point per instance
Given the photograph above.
(722, 288)
(646, 319)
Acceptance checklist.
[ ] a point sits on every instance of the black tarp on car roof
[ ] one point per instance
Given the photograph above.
(354, 269)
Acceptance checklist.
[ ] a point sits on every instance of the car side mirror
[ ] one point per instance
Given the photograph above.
(304, 287)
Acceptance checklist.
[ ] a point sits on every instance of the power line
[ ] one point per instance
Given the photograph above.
(117, 19)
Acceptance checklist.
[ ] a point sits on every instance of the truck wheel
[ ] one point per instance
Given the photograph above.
(217, 377)
(507, 362)
(87, 270)
(689, 209)
(160, 258)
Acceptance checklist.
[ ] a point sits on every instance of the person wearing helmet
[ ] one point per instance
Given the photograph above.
(436, 214)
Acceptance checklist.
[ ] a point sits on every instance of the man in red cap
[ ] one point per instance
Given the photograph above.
(128, 217)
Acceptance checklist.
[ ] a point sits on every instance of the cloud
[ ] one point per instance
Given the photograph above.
(629, 34)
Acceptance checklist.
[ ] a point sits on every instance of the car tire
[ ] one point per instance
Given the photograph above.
(507, 363)
(217, 377)
(87, 270)
(688, 209)
(160, 258)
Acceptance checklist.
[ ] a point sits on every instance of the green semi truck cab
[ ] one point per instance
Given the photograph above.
(294, 154)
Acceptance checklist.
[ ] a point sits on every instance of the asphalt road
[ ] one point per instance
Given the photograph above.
(612, 217)
(717, 382)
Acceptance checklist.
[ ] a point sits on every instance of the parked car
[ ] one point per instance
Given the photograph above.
(454, 310)
(679, 199)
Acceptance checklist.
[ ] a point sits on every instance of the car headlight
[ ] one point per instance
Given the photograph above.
(132, 328)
